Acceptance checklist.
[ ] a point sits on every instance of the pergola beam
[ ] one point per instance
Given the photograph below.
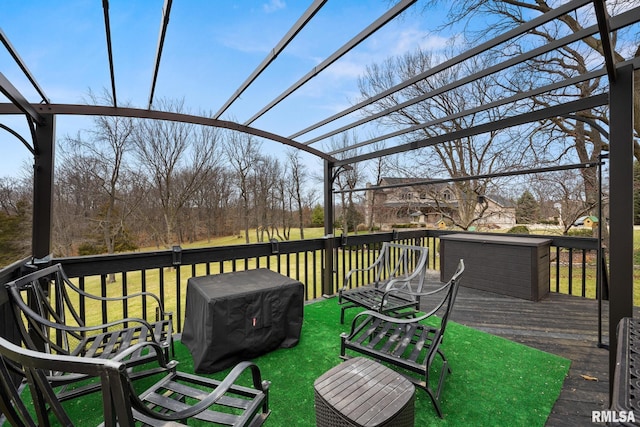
(104, 110)
(20, 138)
(474, 177)
(475, 110)
(607, 47)
(107, 29)
(19, 101)
(166, 12)
(282, 44)
(549, 16)
(621, 21)
(534, 116)
(22, 65)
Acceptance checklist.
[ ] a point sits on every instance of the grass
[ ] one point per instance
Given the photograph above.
(295, 270)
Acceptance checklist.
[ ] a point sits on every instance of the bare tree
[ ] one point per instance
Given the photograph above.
(77, 202)
(380, 166)
(566, 191)
(212, 200)
(243, 152)
(459, 158)
(101, 153)
(578, 136)
(178, 159)
(15, 220)
(298, 177)
(268, 195)
(347, 179)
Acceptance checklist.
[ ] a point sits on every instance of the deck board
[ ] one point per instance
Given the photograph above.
(559, 324)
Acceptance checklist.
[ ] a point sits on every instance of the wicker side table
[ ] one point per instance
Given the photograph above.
(362, 392)
(626, 380)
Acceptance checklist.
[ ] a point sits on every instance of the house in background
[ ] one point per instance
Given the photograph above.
(407, 201)
(500, 212)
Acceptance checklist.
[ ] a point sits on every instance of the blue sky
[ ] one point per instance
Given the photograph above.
(210, 49)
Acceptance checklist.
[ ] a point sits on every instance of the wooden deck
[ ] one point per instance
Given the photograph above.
(559, 324)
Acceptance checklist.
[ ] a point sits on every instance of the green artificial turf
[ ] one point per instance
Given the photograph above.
(494, 381)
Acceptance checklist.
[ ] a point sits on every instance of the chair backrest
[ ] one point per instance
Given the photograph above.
(441, 300)
(35, 365)
(42, 298)
(12, 408)
(446, 302)
(454, 284)
(406, 264)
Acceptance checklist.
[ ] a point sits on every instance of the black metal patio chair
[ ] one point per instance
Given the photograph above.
(174, 399)
(44, 306)
(397, 267)
(408, 343)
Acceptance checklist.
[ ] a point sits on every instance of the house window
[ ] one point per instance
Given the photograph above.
(446, 195)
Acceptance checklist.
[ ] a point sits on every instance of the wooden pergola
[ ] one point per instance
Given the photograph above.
(41, 115)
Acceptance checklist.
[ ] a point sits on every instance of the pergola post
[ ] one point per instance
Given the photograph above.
(43, 187)
(327, 282)
(621, 206)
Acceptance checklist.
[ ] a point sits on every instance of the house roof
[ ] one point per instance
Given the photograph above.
(416, 183)
(502, 201)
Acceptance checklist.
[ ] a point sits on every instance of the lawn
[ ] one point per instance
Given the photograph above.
(153, 276)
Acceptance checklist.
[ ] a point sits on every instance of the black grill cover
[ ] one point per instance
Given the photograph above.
(237, 316)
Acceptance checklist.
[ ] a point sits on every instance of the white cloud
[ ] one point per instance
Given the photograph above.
(377, 50)
(410, 39)
(273, 5)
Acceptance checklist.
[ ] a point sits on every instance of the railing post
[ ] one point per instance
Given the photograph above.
(327, 282)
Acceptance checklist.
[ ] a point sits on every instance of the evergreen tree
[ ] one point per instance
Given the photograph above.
(317, 216)
(527, 209)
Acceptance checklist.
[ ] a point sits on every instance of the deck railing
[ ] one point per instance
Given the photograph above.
(165, 272)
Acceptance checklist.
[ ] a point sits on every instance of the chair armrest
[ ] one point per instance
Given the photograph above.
(210, 399)
(454, 281)
(380, 259)
(160, 356)
(418, 272)
(362, 319)
(57, 362)
(345, 284)
(386, 318)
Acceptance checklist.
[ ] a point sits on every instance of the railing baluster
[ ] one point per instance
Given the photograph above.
(557, 269)
(143, 288)
(584, 272)
(161, 284)
(288, 257)
(125, 292)
(103, 289)
(178, 298)
(570, 292)
(294, 258)
(82, 302)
